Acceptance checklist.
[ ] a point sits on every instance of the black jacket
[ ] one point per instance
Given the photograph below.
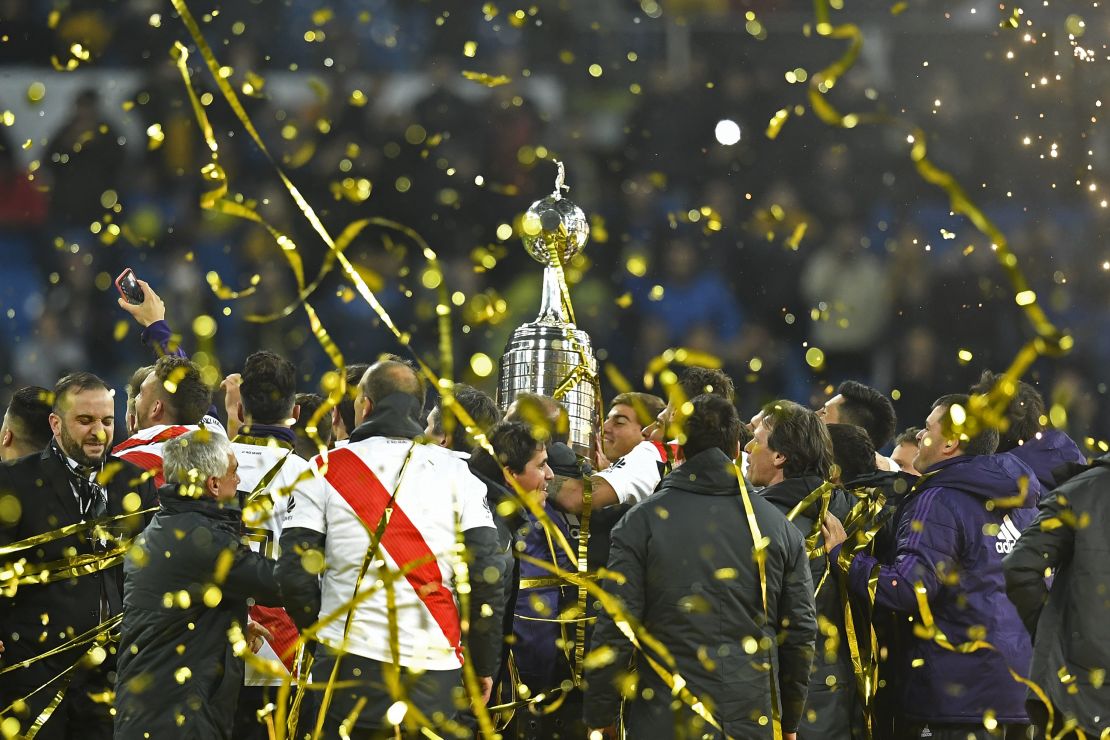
(832, 709)
(187, 582)
(690, 580)
(1070, 621)
(40, 617)
(395, 416)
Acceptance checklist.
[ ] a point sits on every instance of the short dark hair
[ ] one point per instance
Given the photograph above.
(867, 408)
(76, 383)
(353, 374)
(29, 416)
(909, 436)
(390, 376)
(800, 435)
(853, 452)
(269, 387)
(646, 405)
(191, 397)
(481, 409)
(548, 418)
(713, 423)
(1025, 414)
(514, 445)
(304, 445)
(696, 380)
(136, 381)
(983, 443)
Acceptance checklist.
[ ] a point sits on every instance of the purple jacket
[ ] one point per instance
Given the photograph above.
(953, 543)
(1047, 451)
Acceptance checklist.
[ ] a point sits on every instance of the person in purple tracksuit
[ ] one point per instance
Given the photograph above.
(1027, 436)
(954, 528)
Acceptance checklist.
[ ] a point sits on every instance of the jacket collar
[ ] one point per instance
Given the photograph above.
(266, 432)
(393, 416)
(792, 491)
(172, 501)
(709, 473)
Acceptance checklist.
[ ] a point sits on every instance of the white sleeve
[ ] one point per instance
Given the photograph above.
(634, 476)
(470, 501)
(307, 505)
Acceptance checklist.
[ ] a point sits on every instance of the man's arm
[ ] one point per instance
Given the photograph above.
(300, 585)
(1045, 544)
(627, 557)
(252, 576)
(487, 599)
(928, 541)
(570, 495)
(151, 315)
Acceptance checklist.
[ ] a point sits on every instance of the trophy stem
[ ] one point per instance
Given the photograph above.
(552, 309)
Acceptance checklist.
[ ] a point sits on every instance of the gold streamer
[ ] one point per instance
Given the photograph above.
(986, 409)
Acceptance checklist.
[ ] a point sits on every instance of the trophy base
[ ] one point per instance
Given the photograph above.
(553, 360)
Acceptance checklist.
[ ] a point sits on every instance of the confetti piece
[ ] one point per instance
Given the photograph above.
(486, 79)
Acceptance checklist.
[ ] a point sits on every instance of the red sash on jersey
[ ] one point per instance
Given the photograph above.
(282, 628)
(366, 495)
(137, 441)
(148, 461)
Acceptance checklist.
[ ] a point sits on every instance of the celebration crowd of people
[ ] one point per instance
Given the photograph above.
(240, 563)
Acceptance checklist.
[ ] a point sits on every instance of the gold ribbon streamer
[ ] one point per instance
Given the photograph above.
(985, 409)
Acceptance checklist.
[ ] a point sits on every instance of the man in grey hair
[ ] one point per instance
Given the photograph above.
(178, 673)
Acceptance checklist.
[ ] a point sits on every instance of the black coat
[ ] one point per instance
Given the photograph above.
(38, 618)
(833, 711)
(1070, 621)
(177, 675)
(686, 555)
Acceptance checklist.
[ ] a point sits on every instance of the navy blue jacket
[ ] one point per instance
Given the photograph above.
(1046, 452)
(956, 525)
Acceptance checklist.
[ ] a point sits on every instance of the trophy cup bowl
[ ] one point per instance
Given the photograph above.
(551, 356)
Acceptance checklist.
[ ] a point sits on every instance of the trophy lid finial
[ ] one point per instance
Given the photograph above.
(560, 177)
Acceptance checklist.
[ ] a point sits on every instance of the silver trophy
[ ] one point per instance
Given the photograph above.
(550, 355)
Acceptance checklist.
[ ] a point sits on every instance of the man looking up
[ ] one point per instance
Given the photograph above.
(791, 455)
(72, 480)
(633, 478)
(26, 427)
(431, 496)
(273, 478)
(863, 406)
(675, 589)
(173, 400)
(1028, 436)
(954, 529)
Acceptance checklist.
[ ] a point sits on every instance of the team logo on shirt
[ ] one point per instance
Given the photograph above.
(1007, 536)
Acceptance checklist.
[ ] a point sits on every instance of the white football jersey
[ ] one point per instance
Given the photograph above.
(144, 448)
(291, 477)
(438, 498)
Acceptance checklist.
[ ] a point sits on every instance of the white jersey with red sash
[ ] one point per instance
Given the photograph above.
(437, 498)
(635, 476)
(290, 478)
(144, 448)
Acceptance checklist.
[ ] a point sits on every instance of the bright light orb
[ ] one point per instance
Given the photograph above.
(727, 132)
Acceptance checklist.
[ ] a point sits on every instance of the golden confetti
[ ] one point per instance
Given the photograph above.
(486, 79)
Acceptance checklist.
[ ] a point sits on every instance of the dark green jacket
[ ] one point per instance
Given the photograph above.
(1069, 621)
(686, 555)
(177, 674)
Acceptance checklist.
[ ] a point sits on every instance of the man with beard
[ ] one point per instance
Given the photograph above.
(72, 481)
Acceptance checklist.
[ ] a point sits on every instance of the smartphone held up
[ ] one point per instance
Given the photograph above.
(128, 287)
